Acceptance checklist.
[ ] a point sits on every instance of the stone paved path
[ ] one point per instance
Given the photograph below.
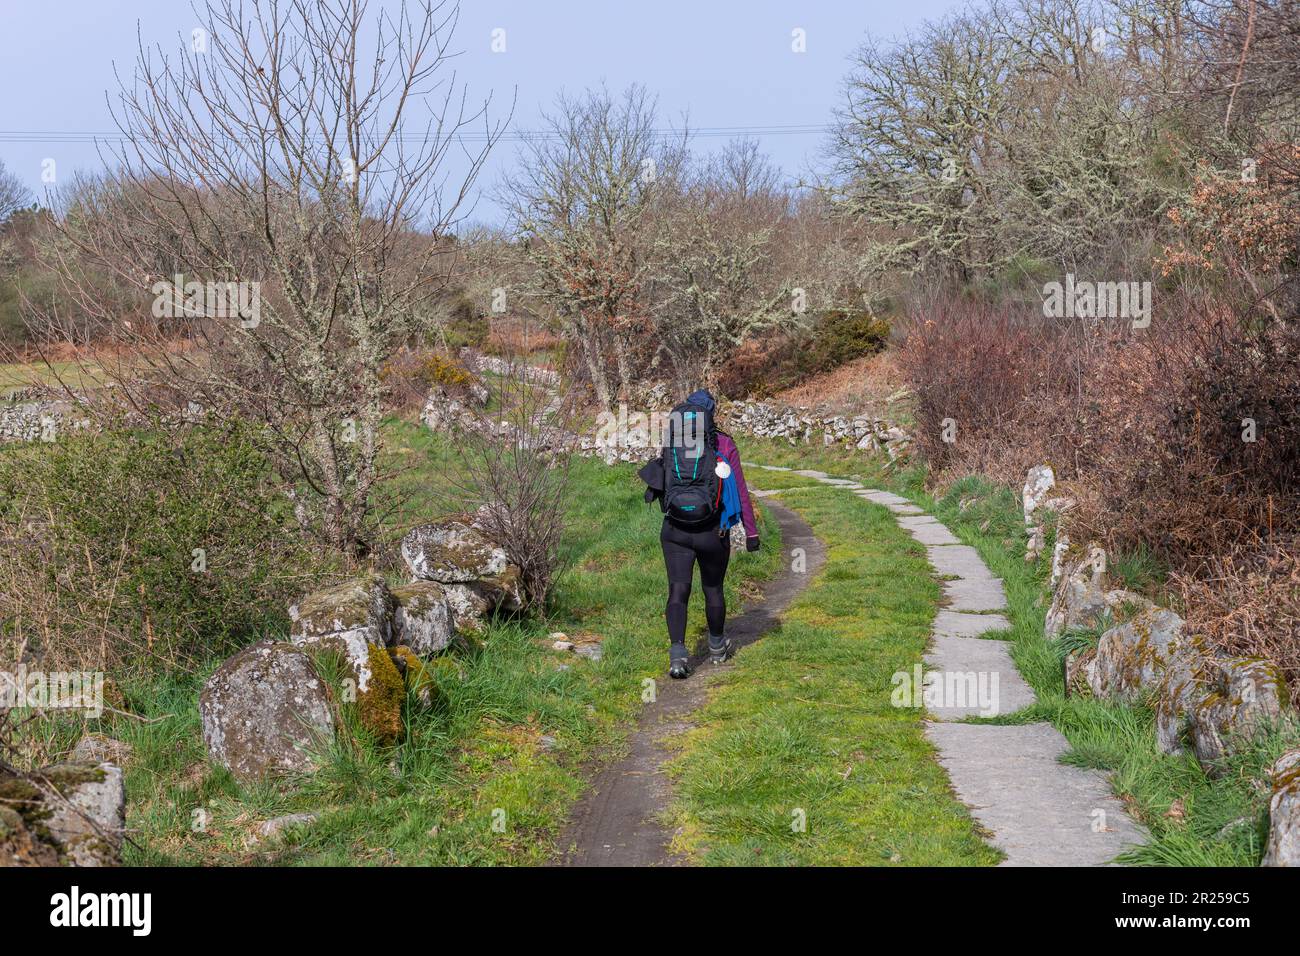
(1039, 811)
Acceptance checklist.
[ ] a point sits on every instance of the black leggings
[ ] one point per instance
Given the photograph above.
(681, 550)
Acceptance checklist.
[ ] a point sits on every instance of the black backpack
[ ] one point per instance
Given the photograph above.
(692, 494)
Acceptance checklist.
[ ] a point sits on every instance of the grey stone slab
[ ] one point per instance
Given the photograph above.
(918, 521)
(905, 510)
(884, 497)
(975, 594)
(842, 483)
(977, 677)
(959, 559)
(765, 492)
(957, 624)
(1040, 811)
(810, 473)
(932, 533)
(773, 467)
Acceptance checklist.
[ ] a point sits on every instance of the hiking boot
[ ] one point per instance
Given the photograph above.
(678, 664)
(720, 648)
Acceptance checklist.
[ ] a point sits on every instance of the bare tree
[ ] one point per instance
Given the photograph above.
(298, 168)
(13, 194)
(583, 205)
(717, 277)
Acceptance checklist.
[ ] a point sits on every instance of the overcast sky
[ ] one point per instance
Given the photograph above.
(725, 63)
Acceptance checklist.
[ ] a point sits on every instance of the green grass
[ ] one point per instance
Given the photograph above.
(1140, 570)
(20, 375)
(512, 739)
(801, 729)
(1194, 819)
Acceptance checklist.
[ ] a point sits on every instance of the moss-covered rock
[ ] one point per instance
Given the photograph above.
(347, 619)
(1283, 847)
(424, 620)
(451, 552)
(1132, 657)
(19, 844)
(419, 676)
(379, 706)
(71, 813)
(1243, 696)
(89, 817)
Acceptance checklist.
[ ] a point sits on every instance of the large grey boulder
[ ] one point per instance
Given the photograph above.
(451, 552)
(71, 813)
(1243, 696)
(347, 619)
(1132, 657)
(1083, 598)
(424, 620)
(442, 413)
(1283, 847)
(1179, 688)
(88, 822)
(266, 711)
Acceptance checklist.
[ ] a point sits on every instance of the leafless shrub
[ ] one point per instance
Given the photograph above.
(513, 475)
(1247, 602)
(286, 162)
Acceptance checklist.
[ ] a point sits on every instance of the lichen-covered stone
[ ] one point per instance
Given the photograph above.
(424, 620)
(1080, 596)
(1178, 690)
(347, 619)
(442, 413)
(469, 609)
(451, 552)
(88, 821)
(1243, 695)
(1283, 846)
(19, 844)
(1132, 657)
(379, 706)
(71, 813)
(1038, 484)
(504, 591)
(471, 603)
(265, 710)
(1060, 554)
(98, 747)
(1076, 672)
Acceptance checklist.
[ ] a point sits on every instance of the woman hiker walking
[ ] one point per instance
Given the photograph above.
(701, 489)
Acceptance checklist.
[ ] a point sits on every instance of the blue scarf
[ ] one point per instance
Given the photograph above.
(730, 499)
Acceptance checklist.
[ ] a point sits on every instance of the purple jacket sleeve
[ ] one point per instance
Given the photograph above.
(728, 450)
